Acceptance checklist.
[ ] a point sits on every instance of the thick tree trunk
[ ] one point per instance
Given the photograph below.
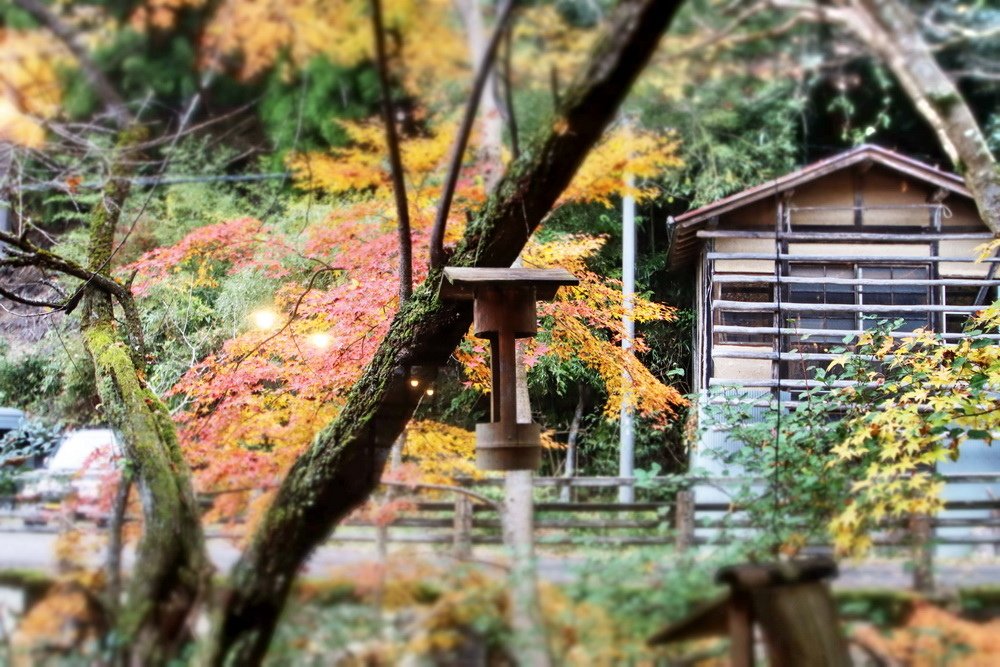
(171, 567)
(342, 466)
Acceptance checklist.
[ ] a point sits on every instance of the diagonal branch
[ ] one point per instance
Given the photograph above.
(36, 256)
(395, 161)
(462, 138)
(345, 461)
(102, 85)
(27, 301)
(890, 32)
(507, 105)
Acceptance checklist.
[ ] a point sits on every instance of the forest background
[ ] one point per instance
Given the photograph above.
(261, 243)
(733, 98)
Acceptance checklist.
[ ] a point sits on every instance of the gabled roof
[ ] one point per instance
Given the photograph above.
(687, 224)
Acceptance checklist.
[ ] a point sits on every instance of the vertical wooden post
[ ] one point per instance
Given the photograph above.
(922, 531)
(684, 520)
(382, 542)
(740, 629)
(462, 539)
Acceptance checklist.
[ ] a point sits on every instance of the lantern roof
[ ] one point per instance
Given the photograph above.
(462, 282)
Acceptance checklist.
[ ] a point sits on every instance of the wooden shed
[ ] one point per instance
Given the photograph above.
(787, 269)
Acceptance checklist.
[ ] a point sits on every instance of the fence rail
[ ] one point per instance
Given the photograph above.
(675, 518)
(469, 514)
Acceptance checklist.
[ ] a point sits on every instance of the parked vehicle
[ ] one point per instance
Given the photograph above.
(10, 420)
(77, 479)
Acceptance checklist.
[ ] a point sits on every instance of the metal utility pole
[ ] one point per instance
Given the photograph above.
(626, 452)
(6, 162)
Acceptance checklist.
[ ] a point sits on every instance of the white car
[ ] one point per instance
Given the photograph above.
(83, 471)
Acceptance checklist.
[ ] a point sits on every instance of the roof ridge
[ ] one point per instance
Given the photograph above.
(885, 156)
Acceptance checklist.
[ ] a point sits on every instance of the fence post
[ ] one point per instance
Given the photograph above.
(921, 527)
(462, 540)
(684, 520)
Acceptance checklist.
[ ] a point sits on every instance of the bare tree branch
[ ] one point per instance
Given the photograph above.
(462, 138)
(27, 301)
(510, 115)
(36, 256)
(395, 161)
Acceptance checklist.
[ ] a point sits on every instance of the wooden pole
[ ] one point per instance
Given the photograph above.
(684, 517)
(462, 544)
(740, 629)
(922, 531)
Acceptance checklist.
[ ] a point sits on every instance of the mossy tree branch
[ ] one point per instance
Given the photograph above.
(171, 566)
(344, 463)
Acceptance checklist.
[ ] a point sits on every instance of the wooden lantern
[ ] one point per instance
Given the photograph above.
(504, 310)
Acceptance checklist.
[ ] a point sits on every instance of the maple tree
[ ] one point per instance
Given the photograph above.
(859, 450)
(917, 399)
(119, 354)
(337, 343)
(251, 407)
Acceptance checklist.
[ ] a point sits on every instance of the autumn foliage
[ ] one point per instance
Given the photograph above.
(250, 407)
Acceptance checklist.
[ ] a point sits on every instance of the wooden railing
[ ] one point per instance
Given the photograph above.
(583, 512)
(666, 515)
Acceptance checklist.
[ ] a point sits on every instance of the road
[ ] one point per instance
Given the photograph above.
(21, 549)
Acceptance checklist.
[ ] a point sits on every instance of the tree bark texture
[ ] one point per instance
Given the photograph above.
(343, 465)
(171, 566)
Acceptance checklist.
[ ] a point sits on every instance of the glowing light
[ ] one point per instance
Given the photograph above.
(320, 340)
(430, 392)
(264, 319)
(414, 382)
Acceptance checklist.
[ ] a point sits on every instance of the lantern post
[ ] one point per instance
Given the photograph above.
(504, 307)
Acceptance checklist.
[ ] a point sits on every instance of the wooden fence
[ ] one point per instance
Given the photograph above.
(580, 512)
